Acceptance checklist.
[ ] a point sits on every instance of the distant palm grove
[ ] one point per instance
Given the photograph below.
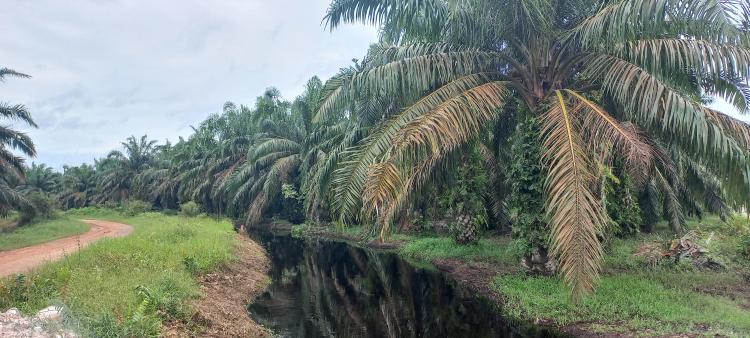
(562, 122)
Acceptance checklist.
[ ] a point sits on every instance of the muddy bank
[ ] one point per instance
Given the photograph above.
(221, 312)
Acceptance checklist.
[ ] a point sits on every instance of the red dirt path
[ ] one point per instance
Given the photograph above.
(25, 259)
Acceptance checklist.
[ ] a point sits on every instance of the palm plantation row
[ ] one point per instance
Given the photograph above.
(564, 122)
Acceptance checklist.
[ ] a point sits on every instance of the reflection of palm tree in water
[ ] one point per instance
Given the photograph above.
(343, 291)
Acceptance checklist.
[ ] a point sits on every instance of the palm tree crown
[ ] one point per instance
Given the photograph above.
(11, 165)
(608, 80)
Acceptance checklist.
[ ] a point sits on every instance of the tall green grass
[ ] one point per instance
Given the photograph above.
(41, 232)
(636, 302)
(647, 300)
(494, 250)
(127, 286)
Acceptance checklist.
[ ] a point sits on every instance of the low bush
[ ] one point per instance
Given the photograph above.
(135, 207)
(745, 246)
(190, 209)
(41, 206)
(112, 205)
(170, 212)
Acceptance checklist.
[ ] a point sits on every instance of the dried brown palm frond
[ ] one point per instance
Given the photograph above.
(440, 105)
(739, 130)
(451, 123)
(411, 183)
(610, 136)
(382, 187)
(576, 213)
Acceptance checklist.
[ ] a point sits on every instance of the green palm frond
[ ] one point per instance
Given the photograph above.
(349, 178)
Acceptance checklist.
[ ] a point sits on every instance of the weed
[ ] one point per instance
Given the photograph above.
(190, 265)
(105, 285)
(41, 232)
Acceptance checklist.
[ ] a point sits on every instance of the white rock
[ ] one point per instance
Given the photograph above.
(49, 313)
(13, 324)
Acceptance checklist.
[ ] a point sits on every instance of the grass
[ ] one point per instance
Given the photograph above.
(644, 300)
(41, 232)
(493, 250)
(127, 286)
(626, 301)
(632, 297)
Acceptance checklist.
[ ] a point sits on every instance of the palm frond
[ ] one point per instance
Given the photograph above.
(452, 122)
(17, 112)
(348, 180)
(610, 136)
(576, 214)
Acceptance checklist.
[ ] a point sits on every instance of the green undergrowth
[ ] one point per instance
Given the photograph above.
(632, 297)
(649, 300)
(43, 231)
(635, 302)
(126, 287)
(491, 250)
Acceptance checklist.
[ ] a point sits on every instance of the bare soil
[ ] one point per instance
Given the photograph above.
(25, 259)
(222, 311)
(739, 292)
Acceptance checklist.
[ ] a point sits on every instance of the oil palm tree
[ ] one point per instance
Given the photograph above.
(121, 172)
(41, 178)
(12, 165)
(78, 186)
(290, 149)
(606, 79)
(275, 156)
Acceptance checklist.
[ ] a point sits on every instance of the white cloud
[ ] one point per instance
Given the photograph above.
(727, 108)
(103, 70)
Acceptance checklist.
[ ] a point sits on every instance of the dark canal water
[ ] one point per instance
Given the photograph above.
(332, 289)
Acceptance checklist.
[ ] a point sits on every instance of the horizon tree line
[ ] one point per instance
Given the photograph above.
(562, 122)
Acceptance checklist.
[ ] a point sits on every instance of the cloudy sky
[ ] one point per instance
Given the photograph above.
(105, 69)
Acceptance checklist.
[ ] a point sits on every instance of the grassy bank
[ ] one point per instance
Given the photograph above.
(633, 297)
(644, 300)
(128, 286)
(41, 232)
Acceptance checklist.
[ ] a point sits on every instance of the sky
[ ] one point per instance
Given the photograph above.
(107, 69)
(103, 70)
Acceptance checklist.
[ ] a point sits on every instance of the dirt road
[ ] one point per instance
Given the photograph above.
(25, 259)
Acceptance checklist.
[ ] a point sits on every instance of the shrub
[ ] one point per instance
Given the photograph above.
(526, 183)
(40, 206)
(111, 205)
(170, 212)
(135, 207)
(191, 265)
(745, 245)
(190, 209)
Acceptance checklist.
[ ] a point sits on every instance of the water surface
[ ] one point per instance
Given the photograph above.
(332, 289)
